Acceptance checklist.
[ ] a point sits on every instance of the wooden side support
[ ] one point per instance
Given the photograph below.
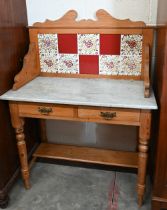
(144, 136)
(18, 124)
(146, 72)
(30, 69)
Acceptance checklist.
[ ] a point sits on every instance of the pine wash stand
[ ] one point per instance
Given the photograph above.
(89, 71)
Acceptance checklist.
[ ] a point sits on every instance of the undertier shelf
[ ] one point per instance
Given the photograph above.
(88, 155)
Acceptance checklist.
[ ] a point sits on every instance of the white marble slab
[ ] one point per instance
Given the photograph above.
(77, 91)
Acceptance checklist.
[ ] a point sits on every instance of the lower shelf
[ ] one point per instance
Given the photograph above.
(87, 154)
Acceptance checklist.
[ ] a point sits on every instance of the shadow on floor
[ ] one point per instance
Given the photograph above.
(65, 187)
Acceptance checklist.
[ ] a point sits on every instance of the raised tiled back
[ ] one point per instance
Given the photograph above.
(99, 54)
(104, 48)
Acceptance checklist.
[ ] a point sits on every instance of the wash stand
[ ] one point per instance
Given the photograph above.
(88, 71)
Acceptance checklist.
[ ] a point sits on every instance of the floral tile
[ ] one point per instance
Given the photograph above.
(131, 44)
(109, 64)
(130, 65)
(47, 44)
(49, 64)
(68, 63)
(88, 44)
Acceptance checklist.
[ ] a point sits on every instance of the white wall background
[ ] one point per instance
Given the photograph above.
(144, 10)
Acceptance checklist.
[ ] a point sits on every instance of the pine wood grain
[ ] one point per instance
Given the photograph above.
(86, 154)
(144, 137)
(30, 69)
(104, 20)
(18, 124)
(80, 113)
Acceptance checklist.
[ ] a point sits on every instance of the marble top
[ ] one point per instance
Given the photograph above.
(79, 91)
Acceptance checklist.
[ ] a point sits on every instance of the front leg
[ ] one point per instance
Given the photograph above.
(144, 136)
(18, 124)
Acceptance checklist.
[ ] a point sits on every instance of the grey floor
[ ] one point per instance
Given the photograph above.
(59, 187)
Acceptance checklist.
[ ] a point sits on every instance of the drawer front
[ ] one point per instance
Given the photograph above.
(45, 110)
(109, 114)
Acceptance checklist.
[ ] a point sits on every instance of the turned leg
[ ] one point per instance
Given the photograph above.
(18, 124)
(144, 136)
(21, 145)
(142, 166)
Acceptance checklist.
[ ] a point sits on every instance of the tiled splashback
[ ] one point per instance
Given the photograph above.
(104, 54)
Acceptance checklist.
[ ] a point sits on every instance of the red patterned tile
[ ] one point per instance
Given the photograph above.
(89, 64)
(67, 43)
(110, 44)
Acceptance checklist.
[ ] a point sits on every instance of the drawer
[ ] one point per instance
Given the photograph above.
(126, 116)
(45, 110)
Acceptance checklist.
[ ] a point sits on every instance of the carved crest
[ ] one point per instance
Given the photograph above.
(104, 20)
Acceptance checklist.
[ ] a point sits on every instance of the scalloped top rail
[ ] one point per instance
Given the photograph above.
(104, 20)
